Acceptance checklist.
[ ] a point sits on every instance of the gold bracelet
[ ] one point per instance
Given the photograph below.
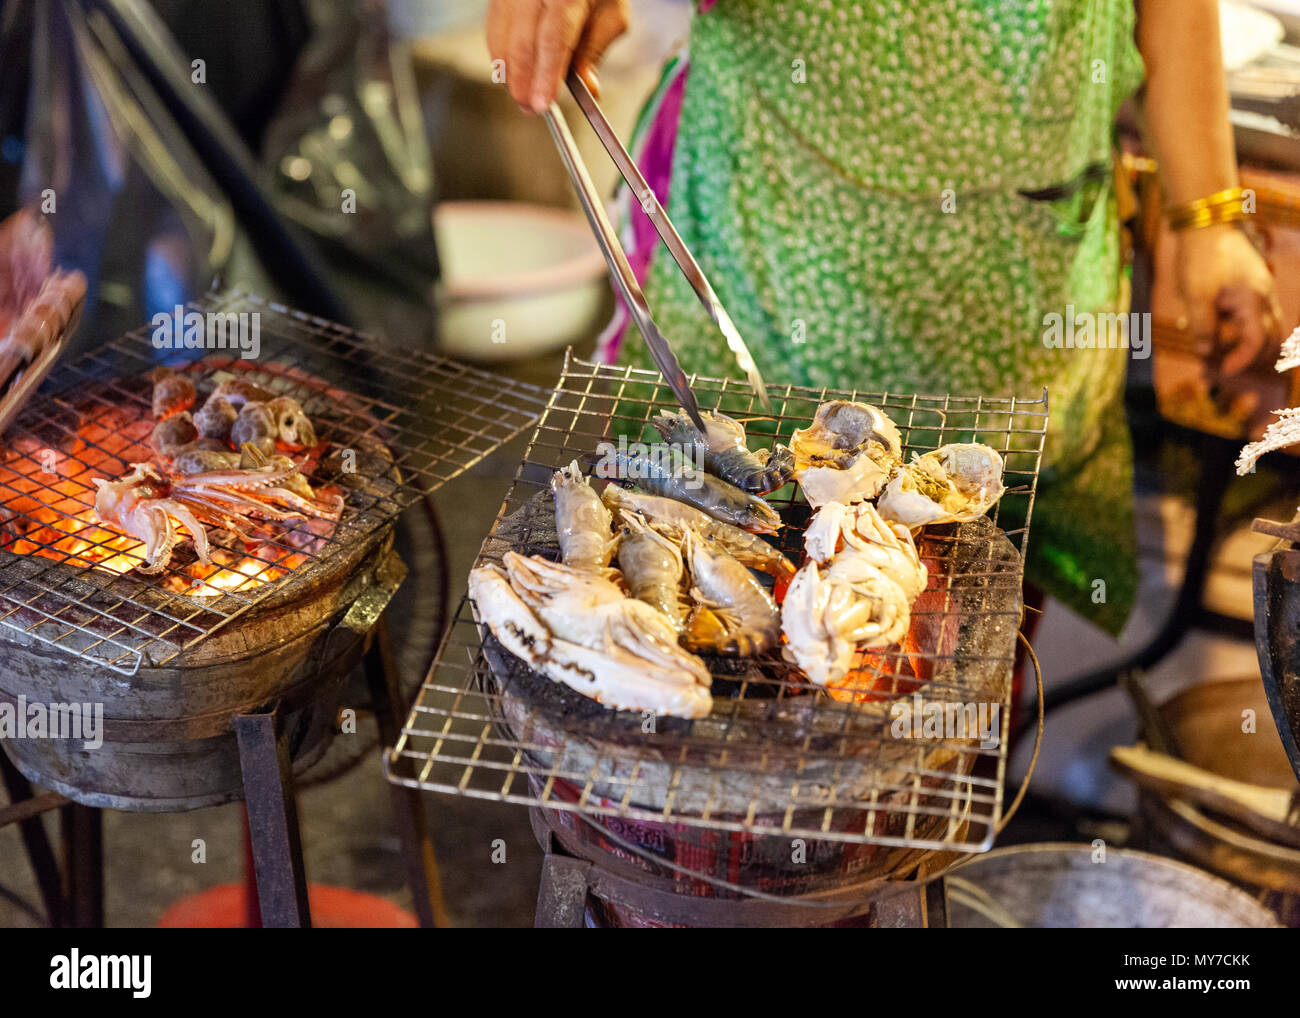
(1220, 207)
(1210, 217)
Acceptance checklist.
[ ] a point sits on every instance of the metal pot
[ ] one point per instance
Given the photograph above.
(1051, 886)
(1206, 722)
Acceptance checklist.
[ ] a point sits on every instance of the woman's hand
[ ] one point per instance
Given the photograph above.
(538, 40)
(1230, 297)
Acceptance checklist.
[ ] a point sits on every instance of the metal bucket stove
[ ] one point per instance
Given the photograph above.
(218, 680)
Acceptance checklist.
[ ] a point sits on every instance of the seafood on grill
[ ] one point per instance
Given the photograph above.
(953, 484)
(172, 433)
(847, 453)
(663, 470)
(725, 454)
(238, 411)
(652, 568)
(199, 458)
(733, 614)
(582, 521)
(177, 442)
(38, 303)
(827, 615)
(855, 591)
(578, 628)
(239, 391)
(145, 502)
(860, 529)
(291, 426)
(173, 394)
(254, 425)
(215, 418)
(673, 519)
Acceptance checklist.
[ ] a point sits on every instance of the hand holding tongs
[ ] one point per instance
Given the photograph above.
(626, 282)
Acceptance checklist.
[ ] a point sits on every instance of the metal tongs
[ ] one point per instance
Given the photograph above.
(619, 268)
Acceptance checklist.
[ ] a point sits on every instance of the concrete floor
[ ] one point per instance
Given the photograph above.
(347, 825)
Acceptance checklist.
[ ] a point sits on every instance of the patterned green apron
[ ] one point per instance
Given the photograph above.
(892, 194)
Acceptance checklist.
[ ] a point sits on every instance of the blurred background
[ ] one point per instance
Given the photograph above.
(191, 145)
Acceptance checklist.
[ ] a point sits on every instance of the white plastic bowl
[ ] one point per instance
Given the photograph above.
(519, 280)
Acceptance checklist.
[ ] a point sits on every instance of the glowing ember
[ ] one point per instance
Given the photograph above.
(47, 503)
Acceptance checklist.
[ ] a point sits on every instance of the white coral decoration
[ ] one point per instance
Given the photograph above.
(1286, 429)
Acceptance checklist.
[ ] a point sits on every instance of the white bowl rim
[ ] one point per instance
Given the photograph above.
(560, 276)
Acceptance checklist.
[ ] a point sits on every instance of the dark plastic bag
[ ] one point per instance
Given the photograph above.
(156, 196)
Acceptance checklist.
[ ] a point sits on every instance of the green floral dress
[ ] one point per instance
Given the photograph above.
(893, 194)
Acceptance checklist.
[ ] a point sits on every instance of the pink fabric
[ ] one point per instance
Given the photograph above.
(656, 161)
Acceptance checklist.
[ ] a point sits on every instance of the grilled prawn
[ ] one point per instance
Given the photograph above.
(725, 454)
(673, 519)
(733, 614)
(652, 568)
(665, 471)
(581, 520)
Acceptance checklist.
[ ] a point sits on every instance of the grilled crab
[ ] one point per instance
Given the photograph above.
(855, 591)
(953, 484)
(578, 628)
(847, 454)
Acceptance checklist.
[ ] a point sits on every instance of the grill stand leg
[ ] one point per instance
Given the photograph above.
(565, 883)
(408, 805)
(562, 896)
(37, 844)
(921, 907)
(83, 866)
(272, 820)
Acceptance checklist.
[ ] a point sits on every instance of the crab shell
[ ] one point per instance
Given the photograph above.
(973, 474)
(847, 453)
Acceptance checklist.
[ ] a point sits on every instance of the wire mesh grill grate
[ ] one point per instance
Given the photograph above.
(395, 424)
(776, 756)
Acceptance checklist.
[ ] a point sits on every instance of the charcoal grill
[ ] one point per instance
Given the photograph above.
(207, 671)
(396, 425)
(712, 806)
